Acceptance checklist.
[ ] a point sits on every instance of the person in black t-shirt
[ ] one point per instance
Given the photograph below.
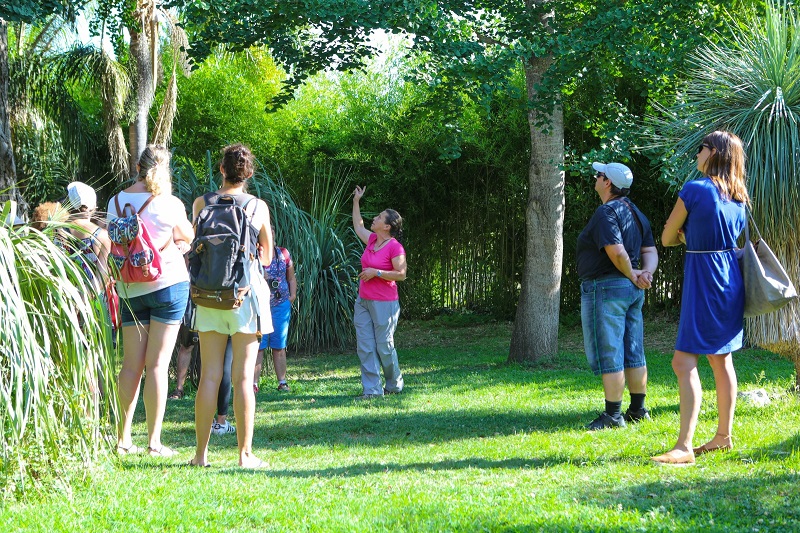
(617, 238)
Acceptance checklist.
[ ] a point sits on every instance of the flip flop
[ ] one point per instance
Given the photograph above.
(192, 463)
(162, 451)
(130, 450)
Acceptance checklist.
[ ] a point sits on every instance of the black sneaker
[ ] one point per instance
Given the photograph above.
(606, 421)
(635, 416)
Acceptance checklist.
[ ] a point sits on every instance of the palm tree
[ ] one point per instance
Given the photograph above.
(750, 85)
(144, 52)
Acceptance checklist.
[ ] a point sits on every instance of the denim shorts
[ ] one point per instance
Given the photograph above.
(276, 340)
(166, 305)
(613, 330)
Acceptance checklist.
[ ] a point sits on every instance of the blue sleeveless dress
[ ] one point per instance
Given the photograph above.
(712, 303)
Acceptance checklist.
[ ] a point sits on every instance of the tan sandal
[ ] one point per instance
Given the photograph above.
(705, 448)
(674, 458)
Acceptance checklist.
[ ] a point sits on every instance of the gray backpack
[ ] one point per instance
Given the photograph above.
(223, 251)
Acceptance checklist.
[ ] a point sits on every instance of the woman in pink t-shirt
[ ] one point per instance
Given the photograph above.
(377, 307)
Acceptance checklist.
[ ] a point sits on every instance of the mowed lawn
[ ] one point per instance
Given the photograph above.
(474, 444)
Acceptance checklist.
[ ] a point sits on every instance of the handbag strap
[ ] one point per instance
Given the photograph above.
(750, 220)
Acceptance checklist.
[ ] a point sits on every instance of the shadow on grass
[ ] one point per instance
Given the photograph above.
(376, 467)
(364, 469)
(712, 503)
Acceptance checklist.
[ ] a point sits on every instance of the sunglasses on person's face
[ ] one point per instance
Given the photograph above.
(700, 148)
(600, 175)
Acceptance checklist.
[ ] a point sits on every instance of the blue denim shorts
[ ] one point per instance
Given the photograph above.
(613, 331)
(276, 340)
(166, 305)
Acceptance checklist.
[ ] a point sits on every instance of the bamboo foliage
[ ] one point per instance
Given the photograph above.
(323, 247)
(751, 85)
(56, 366)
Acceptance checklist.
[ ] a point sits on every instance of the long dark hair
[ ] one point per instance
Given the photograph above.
(395, 222)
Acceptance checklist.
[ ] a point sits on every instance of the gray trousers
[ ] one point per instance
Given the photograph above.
(375, 322)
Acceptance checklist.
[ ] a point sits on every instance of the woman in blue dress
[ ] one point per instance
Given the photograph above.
(708, 218)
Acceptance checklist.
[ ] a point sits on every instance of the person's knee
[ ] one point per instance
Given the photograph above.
(683, 364)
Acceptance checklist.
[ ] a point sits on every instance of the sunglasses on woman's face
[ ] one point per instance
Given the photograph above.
(700, 148)
(600, 175)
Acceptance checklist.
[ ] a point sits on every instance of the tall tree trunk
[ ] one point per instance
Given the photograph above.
(142, 56)
(535, 333)
(8, 170)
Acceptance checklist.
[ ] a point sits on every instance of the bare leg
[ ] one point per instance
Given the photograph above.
(245, 348)
(212, 352)
(184, 358)
(259, 361)
(134, 340)
(159, 351)
(636, 379)
(614, 386)
(685, 366)
(279, 361)
(725, 379)
(691, 391)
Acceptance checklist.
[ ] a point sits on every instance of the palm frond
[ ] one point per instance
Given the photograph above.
(162, 133)
(56, 378)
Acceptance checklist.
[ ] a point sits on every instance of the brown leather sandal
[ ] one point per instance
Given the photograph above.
(176, 394)
(705, 448)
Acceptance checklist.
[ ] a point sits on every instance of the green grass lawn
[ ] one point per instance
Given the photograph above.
(473, 444)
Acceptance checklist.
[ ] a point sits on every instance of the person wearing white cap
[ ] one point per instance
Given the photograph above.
(93, 244)
(616, 258)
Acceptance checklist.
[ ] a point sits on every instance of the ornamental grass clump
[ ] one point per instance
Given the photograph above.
(56, 364)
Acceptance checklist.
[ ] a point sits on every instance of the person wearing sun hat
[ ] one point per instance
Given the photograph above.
(81, 195)
(92, 242)
(616, 258)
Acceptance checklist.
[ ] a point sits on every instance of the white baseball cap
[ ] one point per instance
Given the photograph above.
(620, 175)
(80, 194)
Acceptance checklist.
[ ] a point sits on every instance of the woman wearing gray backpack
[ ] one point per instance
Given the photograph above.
(245, 314)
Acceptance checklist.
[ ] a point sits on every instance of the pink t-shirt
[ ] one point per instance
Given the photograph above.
(378, 288)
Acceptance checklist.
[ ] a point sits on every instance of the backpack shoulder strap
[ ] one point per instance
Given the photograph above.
(116, 204)
(210, 198)
(145, 204)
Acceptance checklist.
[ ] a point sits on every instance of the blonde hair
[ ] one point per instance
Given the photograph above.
(154, 169)
(726, 165)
